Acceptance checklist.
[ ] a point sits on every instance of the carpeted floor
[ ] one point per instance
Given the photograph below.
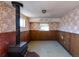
(47, 49)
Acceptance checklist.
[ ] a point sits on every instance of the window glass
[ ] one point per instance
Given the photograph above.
(44, 27)
(22, 22)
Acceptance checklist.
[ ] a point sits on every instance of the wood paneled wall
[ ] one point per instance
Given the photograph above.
(43, 35)
(70, 41)
(25, 36)
(74, 45)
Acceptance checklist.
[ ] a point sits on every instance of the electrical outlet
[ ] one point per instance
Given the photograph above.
(62, 37)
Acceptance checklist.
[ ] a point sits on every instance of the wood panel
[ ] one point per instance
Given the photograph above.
(43, 35)
(60, 37)
(74, 45)
(66, 39)
(70, 41)
(24, 36)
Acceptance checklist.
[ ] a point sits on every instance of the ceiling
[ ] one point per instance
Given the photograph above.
(54, 9)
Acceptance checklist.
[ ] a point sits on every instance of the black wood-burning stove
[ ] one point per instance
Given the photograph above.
(20, 48)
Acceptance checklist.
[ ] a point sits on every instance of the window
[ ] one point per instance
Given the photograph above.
(44, 27)
(22, 22)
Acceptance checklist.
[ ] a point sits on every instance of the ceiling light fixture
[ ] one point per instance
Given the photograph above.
(43, 11)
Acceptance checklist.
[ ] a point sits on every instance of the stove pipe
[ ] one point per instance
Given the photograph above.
(17, 6)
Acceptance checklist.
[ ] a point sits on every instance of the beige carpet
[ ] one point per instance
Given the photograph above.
(48, 49)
